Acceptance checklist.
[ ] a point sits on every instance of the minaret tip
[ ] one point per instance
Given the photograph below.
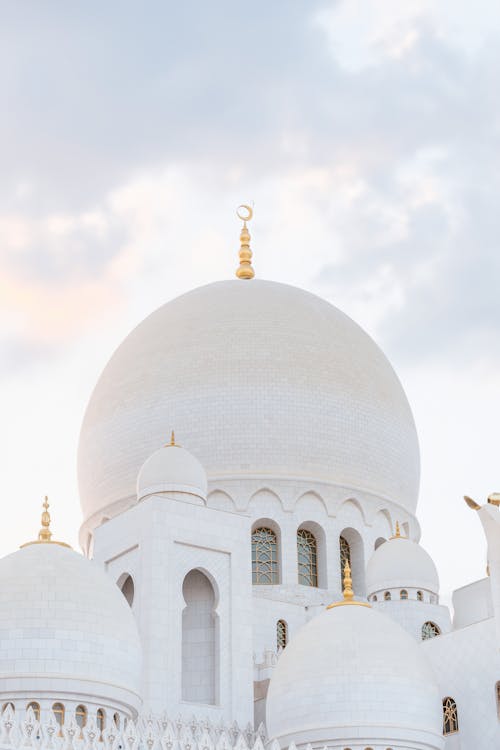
(245, 269)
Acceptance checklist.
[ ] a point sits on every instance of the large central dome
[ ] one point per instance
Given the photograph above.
(256, 378)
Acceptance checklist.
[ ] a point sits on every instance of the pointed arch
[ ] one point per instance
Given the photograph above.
(352, 509)
(221, 500)
(200, 648)
(311, 501)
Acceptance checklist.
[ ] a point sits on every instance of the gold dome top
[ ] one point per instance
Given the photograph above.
(245, 270)
(348, 592)
(45, 534)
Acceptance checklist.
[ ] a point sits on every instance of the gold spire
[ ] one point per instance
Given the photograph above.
(45, 534)
(245, 270)
(397, 535)
(348, 593)
(172, 443)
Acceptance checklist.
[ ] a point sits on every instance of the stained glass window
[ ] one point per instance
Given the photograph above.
(403, 594)
(345, 557)
(429, 630)
(264, 557)
(450, 716)
(281, 634)
(387, 596)
(307, 558)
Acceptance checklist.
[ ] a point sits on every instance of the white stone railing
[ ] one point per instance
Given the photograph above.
(21, 730)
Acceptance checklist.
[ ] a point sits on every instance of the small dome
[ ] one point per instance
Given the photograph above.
(352, 672)
(401, 563)
(172, 469)
(66, 629)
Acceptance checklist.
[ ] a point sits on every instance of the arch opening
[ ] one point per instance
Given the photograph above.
(200, 640)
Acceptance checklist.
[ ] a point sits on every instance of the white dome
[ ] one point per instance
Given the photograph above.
(352, 673)
(258, 378)
(66, 629)
(401, 563)
(172, 469)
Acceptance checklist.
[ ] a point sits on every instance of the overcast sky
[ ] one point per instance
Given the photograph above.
(366, 133)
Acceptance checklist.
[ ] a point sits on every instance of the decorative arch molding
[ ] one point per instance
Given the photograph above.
(221, 500)
(265, 500)
(351, 506)
(311, 500)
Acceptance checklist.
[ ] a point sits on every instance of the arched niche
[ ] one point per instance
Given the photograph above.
(200, 640)
(357, 560)
(126, 585)
(379, 542)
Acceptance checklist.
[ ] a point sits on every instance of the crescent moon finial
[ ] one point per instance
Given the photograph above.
(245, 270)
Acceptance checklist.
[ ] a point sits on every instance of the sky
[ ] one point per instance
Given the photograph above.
(366, 135)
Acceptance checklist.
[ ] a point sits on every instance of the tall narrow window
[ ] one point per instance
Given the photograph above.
(403, 594)
(345, 557)
(81, 716)
(429, 630)
(199, 640)
(281, 634)
(387, 596)
(58, 711)
(450, 716)
(36, 709)
(307, 557)
(264, 557)
(116, 719)
(497, 692)
(420, 596)
(101, 722)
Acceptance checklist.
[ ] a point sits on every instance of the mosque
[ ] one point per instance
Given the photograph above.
(255, 579)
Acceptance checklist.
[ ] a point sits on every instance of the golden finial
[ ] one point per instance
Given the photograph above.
(245, 270)
(45, 534)
(172, 443)
(397, 535)
(348, 593)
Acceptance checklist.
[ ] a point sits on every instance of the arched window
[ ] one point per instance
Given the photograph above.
(374, 598)
(430, 630)
(420, 596)
(307, 554)
(345, 557)
(36, 709)
(81, 716)
(387, 596)
(58, 711)
(101, 722)
(128, 589)
(6, 705)
(281, 634)
(199, 640)
(264, 557)
(116, 719)
(403, 594)
(450, 716)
